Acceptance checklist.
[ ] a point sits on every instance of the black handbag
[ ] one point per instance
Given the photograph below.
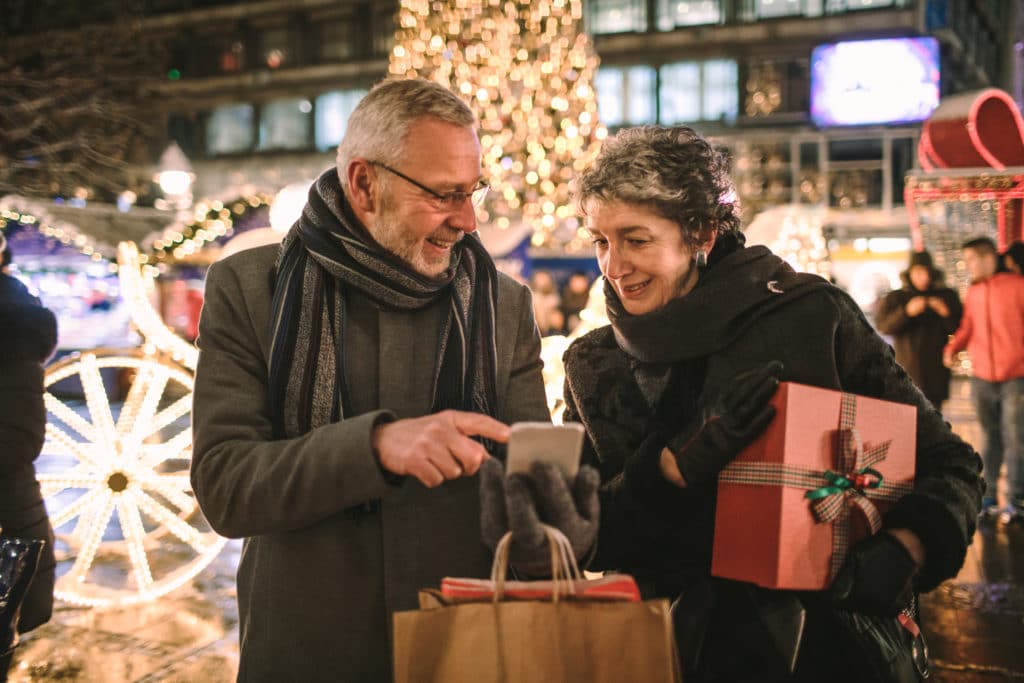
(19, 559)
(890, 649)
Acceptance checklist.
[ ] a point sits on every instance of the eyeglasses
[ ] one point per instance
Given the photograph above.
(446, 200)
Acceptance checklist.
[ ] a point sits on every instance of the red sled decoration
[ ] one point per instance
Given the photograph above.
(811, 486)
(974, 129)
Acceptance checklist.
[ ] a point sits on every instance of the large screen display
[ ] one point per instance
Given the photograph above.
(895, 80)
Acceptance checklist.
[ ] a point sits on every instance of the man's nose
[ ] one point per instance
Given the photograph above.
(463, 216)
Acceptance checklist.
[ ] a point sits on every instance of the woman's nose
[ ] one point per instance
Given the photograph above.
(615, 266)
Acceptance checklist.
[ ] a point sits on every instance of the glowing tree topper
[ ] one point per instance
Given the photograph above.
(527, 70)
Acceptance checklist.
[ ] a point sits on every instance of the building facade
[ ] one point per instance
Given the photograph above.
(257, 93)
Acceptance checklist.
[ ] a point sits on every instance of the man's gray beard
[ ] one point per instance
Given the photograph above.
(389, 234)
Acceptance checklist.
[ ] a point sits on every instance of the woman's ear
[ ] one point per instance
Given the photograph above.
(709, 242)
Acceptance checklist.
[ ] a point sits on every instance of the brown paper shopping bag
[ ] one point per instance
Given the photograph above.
(562, 639)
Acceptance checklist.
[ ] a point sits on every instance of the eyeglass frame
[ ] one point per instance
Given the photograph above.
(448, 200)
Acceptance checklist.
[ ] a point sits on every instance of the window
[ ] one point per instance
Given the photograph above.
(182, 129)
(625, 95)
(752, 10)
(699, 91)
(285, 124)
(229, 129)
(210, 55)
(337, 40)
(673, 13)
(680, 92)
(617, 16)
(836, 6)
(766, 9)
(383, 30)
(719, 90)
(274, 48)
(332, 112)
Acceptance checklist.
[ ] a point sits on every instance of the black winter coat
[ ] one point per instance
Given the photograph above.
(662, 534)
(919, 340)
(28, 336)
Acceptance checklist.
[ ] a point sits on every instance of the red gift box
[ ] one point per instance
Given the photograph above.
(813, 484)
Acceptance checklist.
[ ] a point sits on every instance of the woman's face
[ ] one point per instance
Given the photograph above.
(641, 254)
(920, 277)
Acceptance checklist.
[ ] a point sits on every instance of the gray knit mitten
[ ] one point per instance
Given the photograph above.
(522, 502)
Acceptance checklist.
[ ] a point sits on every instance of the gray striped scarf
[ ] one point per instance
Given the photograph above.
(326, 253)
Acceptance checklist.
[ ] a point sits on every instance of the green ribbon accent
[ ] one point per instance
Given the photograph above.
(839, 483)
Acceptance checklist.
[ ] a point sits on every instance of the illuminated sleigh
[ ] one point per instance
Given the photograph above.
(971, 181)
(127, 524)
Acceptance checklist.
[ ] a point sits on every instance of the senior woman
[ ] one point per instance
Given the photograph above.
(702, 331)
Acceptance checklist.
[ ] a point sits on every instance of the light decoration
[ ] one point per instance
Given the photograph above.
(947, 208)
(15, 210)
(210, 220)
(136, 283)
(553, 347)
(288, 204)
(175, 177)
(794, 234)
(526, 68)
(132, 466)
(124, 466)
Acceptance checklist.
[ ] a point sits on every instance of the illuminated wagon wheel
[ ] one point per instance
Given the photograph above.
(127, 525)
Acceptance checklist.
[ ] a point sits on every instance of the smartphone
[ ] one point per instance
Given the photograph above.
(531, 442)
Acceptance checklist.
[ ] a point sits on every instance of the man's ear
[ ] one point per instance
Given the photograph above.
(362, 186)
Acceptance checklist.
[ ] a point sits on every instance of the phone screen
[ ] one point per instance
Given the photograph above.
(531, 442)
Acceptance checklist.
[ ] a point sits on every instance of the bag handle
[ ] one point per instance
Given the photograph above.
(564, 569)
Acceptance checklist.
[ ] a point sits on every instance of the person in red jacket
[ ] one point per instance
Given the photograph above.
(992, 331)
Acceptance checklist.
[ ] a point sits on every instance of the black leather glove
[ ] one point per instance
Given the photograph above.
(724, 428)
(521, 502)
(877, 577)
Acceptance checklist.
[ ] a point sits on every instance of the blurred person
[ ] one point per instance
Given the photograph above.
(919, 318)
(1013, 258)
(702, 331)
(992, 331)
(575, 295)
(28, 337)
(546, 303)
(352, 382)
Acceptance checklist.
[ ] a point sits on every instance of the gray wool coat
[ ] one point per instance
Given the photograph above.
(333, 548)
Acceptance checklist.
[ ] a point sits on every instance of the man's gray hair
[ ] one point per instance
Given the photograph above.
(379, 125)
(673, 171)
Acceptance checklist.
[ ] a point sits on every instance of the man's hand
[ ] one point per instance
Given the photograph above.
(436, 447)
(939, 306)
(521, 502)
(915, 306)
(947, 359)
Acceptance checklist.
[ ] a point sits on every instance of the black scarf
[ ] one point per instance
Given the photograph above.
(326, 252)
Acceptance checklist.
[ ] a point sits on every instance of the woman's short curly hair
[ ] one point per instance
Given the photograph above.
(672, 170)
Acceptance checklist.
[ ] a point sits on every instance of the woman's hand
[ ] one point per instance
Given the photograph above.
(521, 503)
(939, 306)
(669, 468)
(878, 576)
(738, 417)
(915, 306)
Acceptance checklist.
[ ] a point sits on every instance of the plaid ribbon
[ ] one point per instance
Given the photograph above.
(832, 495)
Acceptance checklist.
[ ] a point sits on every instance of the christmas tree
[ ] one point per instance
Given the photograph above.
(527, 70)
